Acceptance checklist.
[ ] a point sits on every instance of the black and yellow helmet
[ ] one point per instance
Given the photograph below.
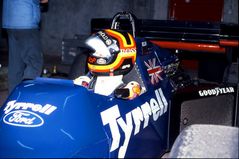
(113, 53)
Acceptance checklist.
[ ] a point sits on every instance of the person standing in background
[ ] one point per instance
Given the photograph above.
(21, 19)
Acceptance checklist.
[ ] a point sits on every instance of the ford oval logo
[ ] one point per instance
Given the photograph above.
(23, 118)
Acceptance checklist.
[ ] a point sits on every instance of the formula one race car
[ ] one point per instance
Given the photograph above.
(49, 117)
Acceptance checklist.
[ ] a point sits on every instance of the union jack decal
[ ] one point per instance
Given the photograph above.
(154, 71)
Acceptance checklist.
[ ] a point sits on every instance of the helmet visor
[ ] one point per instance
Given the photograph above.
(103, 45)
(100, 49)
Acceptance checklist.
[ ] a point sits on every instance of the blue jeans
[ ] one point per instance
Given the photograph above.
(25, 56)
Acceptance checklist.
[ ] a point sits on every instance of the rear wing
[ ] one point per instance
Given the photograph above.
(184, 35)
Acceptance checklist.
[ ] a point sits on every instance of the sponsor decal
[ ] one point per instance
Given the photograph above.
(144, 43)
(101, 61)
(108, 42)
(134, 120)
(145, 49)
(128, 50)
(91, 59)
(105, 38)
(25, 114)
(154, 71)
(126, 66)
(216, 91)
(23, 119)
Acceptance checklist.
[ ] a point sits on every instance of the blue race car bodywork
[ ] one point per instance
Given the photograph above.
(55, 118)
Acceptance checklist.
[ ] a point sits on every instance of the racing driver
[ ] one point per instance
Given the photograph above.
(112, 55)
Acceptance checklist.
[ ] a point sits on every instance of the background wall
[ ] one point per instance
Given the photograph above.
(230, 11)
(68, 17)
(65, 18)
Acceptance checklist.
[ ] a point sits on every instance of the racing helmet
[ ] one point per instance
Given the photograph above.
(112, 53)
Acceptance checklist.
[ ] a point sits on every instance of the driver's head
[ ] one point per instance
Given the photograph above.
(113, 53)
